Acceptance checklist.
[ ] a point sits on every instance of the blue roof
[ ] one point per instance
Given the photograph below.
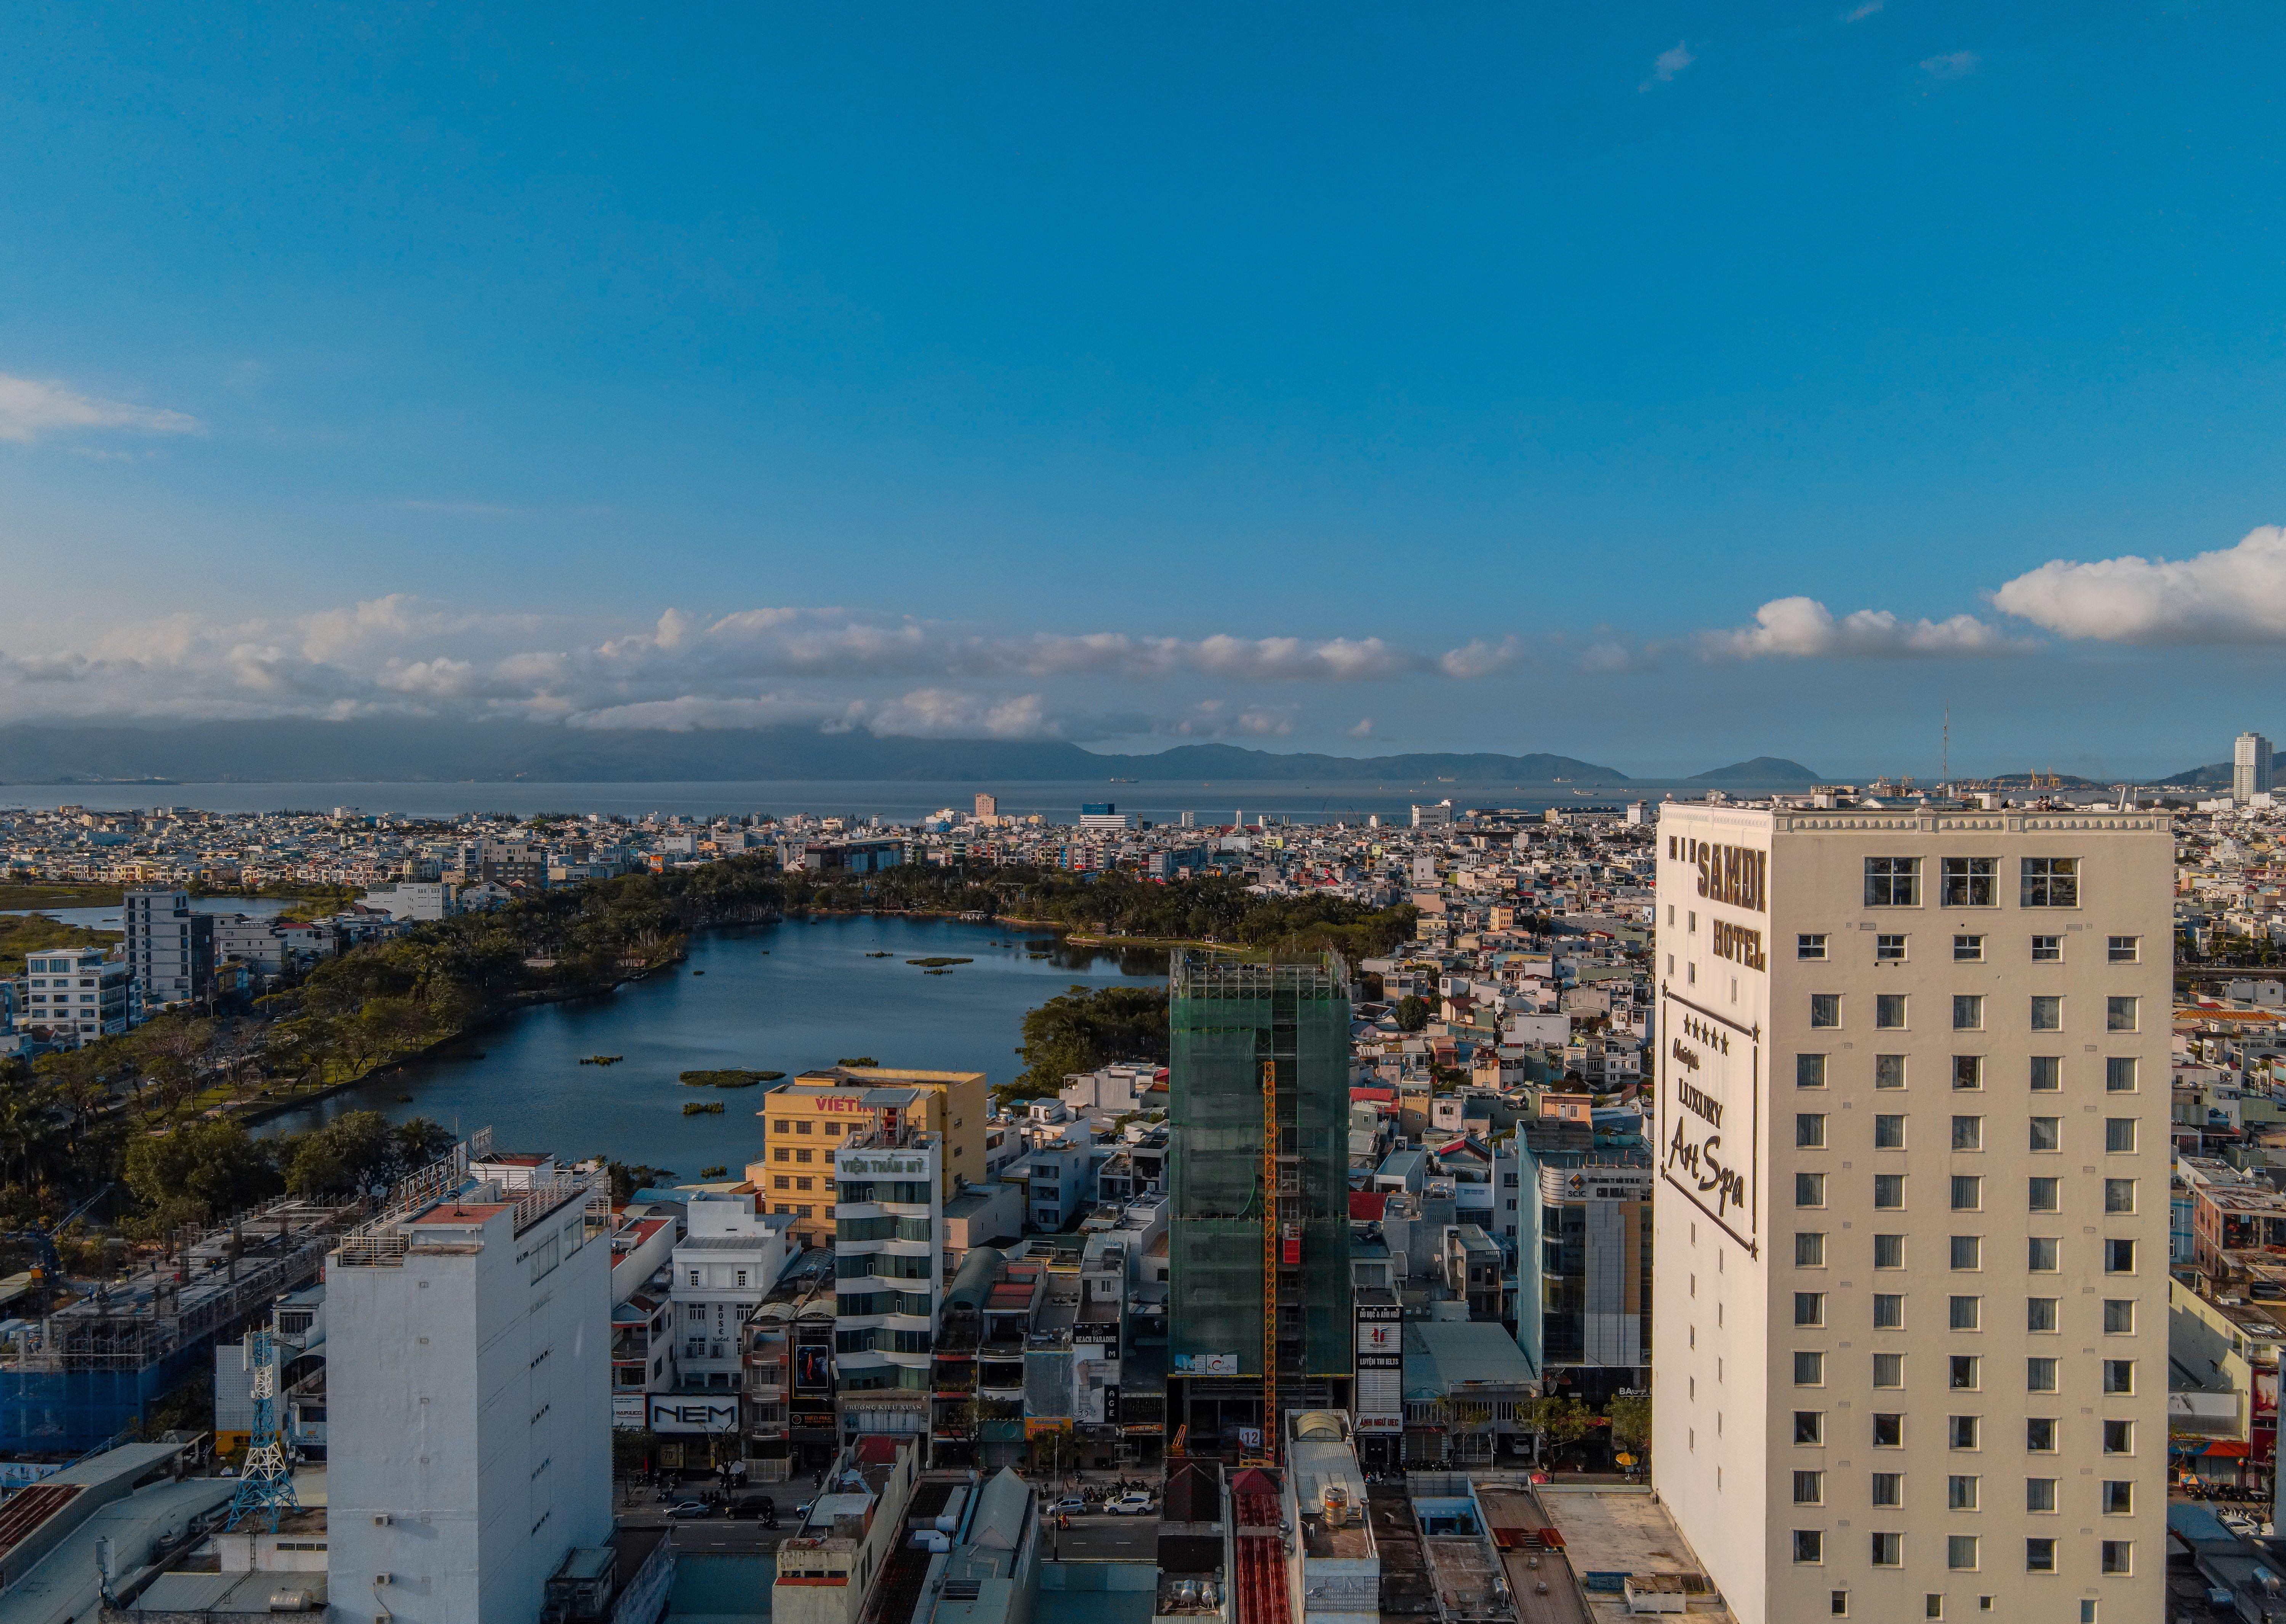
(2195, 1525)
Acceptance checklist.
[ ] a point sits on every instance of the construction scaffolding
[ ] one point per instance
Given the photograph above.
(91, 1368)
(1257, 1169)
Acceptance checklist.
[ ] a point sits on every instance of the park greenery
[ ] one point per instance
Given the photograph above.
(1211, 909)
(1088, 1028)
(35, 933)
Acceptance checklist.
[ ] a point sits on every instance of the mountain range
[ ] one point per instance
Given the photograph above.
(295, 751)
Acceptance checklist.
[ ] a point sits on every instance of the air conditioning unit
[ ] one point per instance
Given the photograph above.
(380, 1579)
(382, 1520)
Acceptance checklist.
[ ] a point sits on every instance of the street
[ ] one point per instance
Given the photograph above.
(745, 1536)
(1099, 1538)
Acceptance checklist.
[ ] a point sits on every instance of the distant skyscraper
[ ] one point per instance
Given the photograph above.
(2249, 767)
(988, 809)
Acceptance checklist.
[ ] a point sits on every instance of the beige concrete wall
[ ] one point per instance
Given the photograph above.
(1815, 885)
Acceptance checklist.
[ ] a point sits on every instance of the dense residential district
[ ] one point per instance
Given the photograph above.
(1868, 1203)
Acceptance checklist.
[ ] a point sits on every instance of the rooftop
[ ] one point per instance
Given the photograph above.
(1621, 1531)
(463, 1213)
(1442, 1356)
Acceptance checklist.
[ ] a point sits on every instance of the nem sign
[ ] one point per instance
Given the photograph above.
(687, 1413)
(1710, 1105)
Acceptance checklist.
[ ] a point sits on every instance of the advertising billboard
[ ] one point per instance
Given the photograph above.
(673, 1412)
(1710, 1107)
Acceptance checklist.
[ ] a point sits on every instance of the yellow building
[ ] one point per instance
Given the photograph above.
(806, 1119)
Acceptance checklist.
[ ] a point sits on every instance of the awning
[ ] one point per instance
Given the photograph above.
(2225, 1450)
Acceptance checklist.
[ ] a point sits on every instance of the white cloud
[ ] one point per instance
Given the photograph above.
(1364, 728)
(939, 712)
(401, 654)
(1802, 627)
(2233, 595)
(1951, 65)
(30, 408)
(1667, 64)
(1860, 13)
(1481, 658)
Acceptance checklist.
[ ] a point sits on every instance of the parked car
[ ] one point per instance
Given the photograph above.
(1070, 1505)
(1130, 1505)
(690, 1508)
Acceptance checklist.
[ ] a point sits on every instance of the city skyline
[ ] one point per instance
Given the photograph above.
(1662, 388)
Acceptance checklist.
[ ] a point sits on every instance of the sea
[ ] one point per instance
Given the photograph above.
(1215, 802)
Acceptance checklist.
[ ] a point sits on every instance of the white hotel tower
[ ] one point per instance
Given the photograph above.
(1910, 1216)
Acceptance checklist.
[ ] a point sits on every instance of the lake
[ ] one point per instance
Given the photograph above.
(777, 997)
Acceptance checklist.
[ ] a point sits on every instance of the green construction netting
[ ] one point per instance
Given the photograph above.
(1227, 1019)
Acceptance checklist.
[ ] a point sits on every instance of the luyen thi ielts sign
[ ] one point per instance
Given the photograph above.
(1710, 1113)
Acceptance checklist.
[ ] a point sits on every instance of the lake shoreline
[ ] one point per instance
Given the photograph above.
(776, 1002)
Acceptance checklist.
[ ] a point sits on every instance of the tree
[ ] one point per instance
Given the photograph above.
(1630, 1415)
(1412, 1013)
(359, 1153)
(1083, 1029)
(31, 1133)
(212, 1167)
(77, 1077)
(1563, 1422)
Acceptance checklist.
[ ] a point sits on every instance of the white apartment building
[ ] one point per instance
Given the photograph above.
(74, 995)
(1911, 1212)
(725, 1265)
(888, 1267)
(469, 1431)
(169, 948)
(253, 941)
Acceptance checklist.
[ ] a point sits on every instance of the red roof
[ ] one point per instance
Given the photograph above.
(878, 1449)
(1363, 1092)
(1366, 1206)
(463, 1212)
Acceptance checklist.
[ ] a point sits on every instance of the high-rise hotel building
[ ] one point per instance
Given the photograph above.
(1910, 1214)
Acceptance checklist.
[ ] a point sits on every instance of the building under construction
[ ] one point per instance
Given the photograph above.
(1259, 1232)
(91, 1369)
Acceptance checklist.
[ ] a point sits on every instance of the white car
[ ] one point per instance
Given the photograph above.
(1130, 1505)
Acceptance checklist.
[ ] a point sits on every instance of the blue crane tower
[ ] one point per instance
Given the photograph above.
(266, 1482)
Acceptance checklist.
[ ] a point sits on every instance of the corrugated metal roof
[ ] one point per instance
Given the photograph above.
(1441, 1356)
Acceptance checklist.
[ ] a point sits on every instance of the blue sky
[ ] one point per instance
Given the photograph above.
(1329, 377)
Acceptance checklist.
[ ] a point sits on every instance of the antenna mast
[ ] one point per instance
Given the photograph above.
(266, 1482)
(1945, 756)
